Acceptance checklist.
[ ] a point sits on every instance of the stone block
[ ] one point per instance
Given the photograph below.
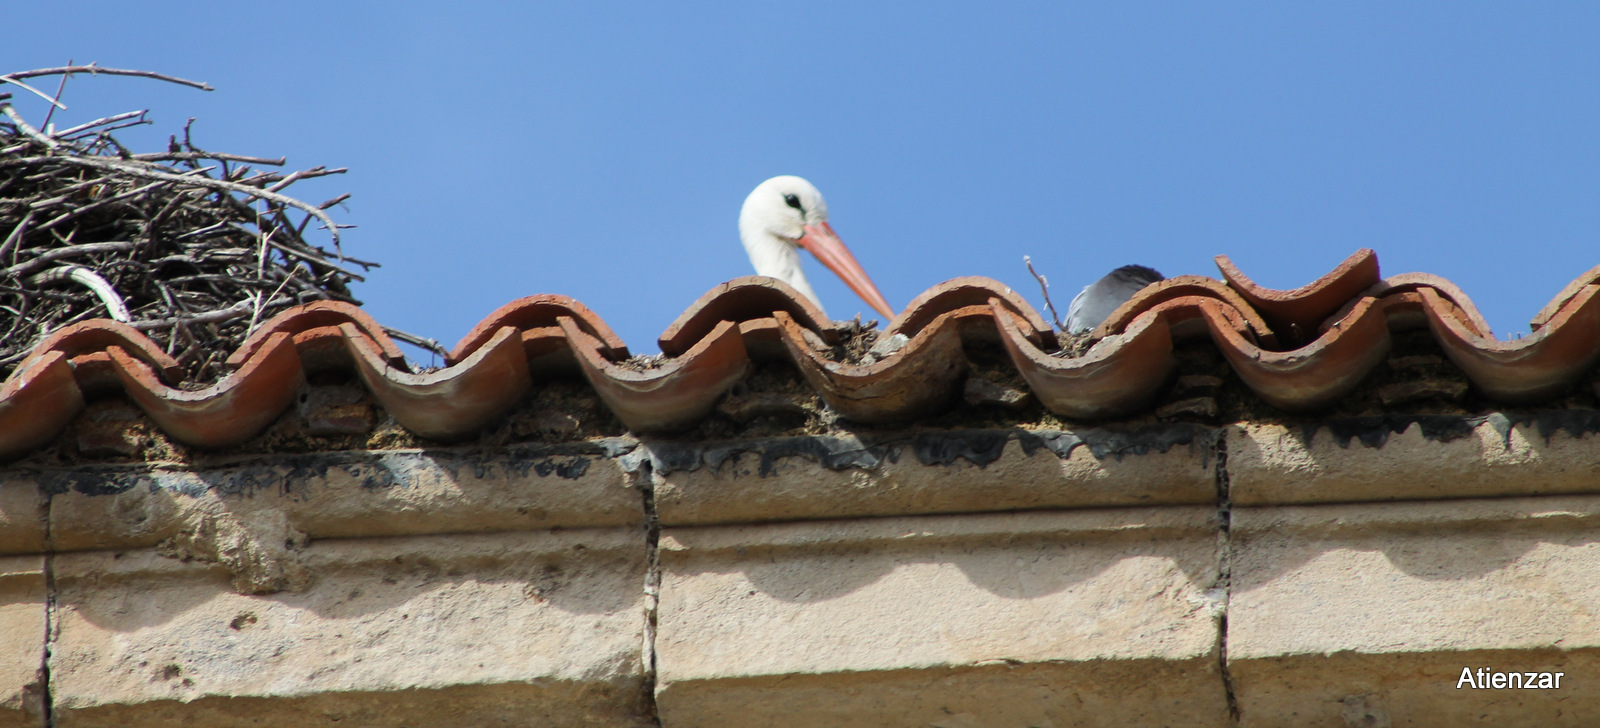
(1408, 458)
(494, 629)
(23, 620)
(22, 515)
(1086, 618)
(932, 472)
(345, 495)
(1366, 614)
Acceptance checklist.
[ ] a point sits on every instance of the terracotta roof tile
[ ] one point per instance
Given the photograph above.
(1535, 367)
(311, 317)
(1318, 373)
(673, 396)
(1197, 287)
(1459, 306)
(1119, 375)
(535, 313)
(1589, 277)
(1298, 350)
(91, 337)
(453, 402)
(1295, 314)
(970, 291)
(37, 402)
(226, 413)
(749, 300)
(920, 378)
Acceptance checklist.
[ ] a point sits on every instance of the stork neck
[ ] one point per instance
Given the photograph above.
(778, 259)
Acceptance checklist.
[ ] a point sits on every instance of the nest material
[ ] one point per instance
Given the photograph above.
(194, 248)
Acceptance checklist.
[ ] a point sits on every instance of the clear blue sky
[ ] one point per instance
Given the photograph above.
(602, 151)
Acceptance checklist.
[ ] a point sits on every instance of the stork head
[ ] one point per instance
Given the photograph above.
(786, 213)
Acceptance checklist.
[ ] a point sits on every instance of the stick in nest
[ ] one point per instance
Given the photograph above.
(190, 246)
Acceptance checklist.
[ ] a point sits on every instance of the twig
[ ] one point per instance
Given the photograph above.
(194, 245)
(305, 174)
(431, 345)
(56, 102)
(102, 120)
(101, 287)
(216, 184)
(13, 81)
(104, 131)
(28, 266)
(190, 156)
(232, 312)
(99, 204)
(16, 234)
(97, 70)
(27, 129)
(1044, 286)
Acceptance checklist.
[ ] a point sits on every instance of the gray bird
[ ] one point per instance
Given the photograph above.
(1100, 298)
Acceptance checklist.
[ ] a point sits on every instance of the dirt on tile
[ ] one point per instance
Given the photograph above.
(856, 343)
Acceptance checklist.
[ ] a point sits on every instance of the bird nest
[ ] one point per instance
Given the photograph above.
(194, 248)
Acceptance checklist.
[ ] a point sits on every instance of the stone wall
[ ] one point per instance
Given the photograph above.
(1258, 575)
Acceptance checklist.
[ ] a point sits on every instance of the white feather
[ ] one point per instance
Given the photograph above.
(769, 227)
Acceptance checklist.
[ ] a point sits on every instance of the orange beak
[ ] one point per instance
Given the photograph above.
(825, 244)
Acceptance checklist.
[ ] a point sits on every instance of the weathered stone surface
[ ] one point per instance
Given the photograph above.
(1374, 609)
(22, 640)
(343, 495)
(1405, 458)
(932, 472)
(498, 629)
(22, 516)
(1084, 618)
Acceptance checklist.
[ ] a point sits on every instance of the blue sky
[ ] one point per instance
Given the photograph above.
(602, 150)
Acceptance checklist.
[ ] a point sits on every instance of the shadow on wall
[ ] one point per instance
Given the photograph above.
(1016, 566)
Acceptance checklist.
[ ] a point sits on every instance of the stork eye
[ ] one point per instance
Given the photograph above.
(794, 202)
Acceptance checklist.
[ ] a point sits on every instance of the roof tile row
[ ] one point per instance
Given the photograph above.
(1298, 350)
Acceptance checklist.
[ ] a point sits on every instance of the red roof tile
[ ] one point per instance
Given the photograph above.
(1295, 314)
(1298, 350)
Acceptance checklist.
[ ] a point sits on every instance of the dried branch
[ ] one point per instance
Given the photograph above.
(31, 132)
(191, 246)
(95, 70)
(13, 81)
(101, 288)
(1044, 287)
(103, 121)
(191, 156)
(213, 183)
(431, 345)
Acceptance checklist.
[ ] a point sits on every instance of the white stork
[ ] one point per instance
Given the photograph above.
(786, 213)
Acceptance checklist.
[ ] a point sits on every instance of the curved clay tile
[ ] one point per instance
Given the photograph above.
(970, 291)
(314, 315)
(1185, 286)
(1401, 306)
(454, 402)
(748, 299)
(1538, 366)
(1589, 277)
(96, 335)
(1296, 315)
(671, 397)
(538, 335)
(1314, 375)
(226, 413)
(543, 311)
(1120, 374)
(36, 402)
(920, 378)
(1193, 317)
